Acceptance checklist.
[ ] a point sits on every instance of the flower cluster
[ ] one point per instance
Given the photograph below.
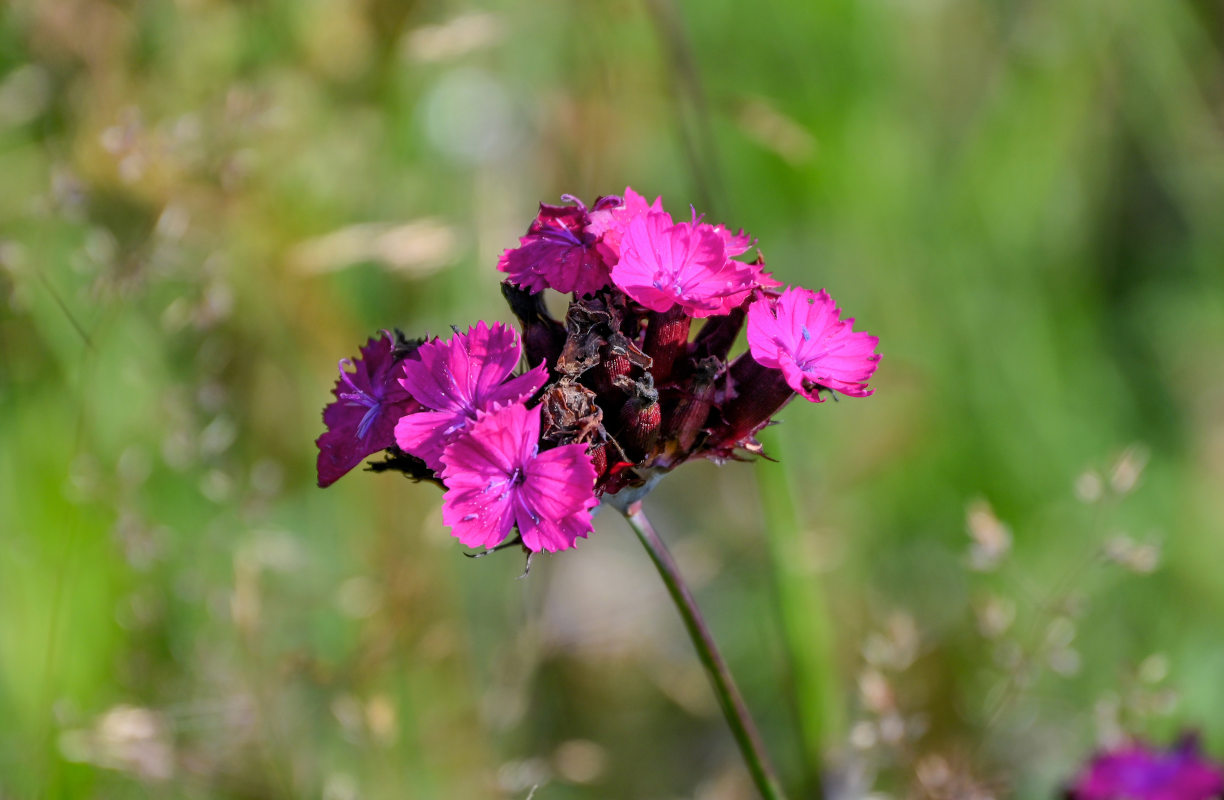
(619, 391)
(1136, 771)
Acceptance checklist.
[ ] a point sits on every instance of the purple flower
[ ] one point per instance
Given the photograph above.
(558, 251)
(496, 479)
(455, 380)
(664, 264)
(802, 334)
(1138, 772)
(361, 420)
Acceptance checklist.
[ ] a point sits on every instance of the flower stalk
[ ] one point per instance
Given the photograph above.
(729, 699)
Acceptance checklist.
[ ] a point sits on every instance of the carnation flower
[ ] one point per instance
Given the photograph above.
(1138, 772)
(609, 222)
(625, 393)
(455, 380)
(559, 251)
(735, 243)
(802, 334)
(664, 264)
(369, 401)
(497, 479)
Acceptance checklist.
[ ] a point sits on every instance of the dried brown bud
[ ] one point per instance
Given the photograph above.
(570, 413)
(617, 359)
(641, 418)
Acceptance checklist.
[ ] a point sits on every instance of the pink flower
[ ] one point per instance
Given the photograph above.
(663, 264)
(496, 479)
(609, 223)
(361, 420)
(559, 252)
(760, 280)
(736, 243)
(802, 334)
(456, 380)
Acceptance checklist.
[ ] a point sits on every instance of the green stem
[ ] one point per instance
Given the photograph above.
(729, 698)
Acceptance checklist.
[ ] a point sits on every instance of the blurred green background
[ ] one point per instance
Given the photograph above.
(955, 588)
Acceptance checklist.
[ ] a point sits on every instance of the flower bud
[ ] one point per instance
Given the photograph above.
(641, 418)
(543, 336)
(694, 408)
(757, 393)
(666, 341)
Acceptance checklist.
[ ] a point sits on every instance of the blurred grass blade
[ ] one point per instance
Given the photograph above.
(806, 628)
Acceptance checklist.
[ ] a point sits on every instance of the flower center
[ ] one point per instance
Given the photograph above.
(361, 398)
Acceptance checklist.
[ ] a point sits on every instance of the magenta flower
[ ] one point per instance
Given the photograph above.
(1138, 772)
(361, 420)
(559, 252)
(455, 381)
(496, 479)
(610, 222)
(802, 333)
(736, 243)
(664, 264)
(760, 280)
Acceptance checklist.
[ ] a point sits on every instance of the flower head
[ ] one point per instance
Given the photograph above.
(559, 252)
(1138, 772)
(633, 393)
(610, 222)
(361, 420)
(496, 479)
(801, 333)
(663, 264)
(736, 243)
(455, 381)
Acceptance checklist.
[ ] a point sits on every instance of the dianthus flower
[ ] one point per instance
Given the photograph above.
(369, 402)
(609, 222)
(455, 381)
(560, 251)
(663, 264)
(617, 395)
(1138, 772)
(497, 479)
(802, 334)
(618, 392)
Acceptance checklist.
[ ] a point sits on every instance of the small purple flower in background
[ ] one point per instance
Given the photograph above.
(496, 479)
(560, 251)
(1138, 772)
(455, 380)
(802, 333)
(369, 402)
